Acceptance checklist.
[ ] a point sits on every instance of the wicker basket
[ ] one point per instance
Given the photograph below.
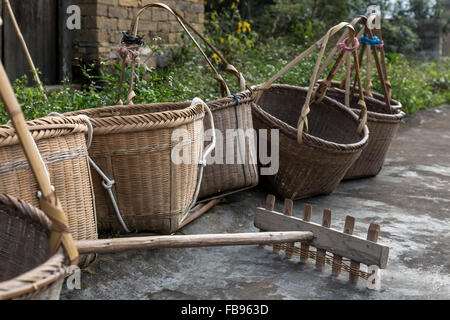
(312, 162)
(384, 114)
(27, 270)
(232, 112)
(133, 146)
(382, 127)
(62, 144)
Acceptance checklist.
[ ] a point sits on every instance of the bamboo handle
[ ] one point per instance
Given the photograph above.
(49, 201)
(191, 241)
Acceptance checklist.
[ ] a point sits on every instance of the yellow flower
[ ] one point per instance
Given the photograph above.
(239, 27)
(233, 5)
(247, 26)
(222, 40)
(216, 58)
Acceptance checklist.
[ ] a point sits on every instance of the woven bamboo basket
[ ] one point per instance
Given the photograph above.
(62, 143)
(384, 114)
(35, 249)
(127, 139)
(133, 146)
(315, 161)
(231, 112)
(27, 269)
(382, 127)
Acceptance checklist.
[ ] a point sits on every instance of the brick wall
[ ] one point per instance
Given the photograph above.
(103, 21)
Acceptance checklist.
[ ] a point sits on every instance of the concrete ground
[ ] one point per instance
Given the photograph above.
(410, 199)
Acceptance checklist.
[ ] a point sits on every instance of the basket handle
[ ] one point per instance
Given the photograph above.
(206, 153)
(335, 49)
(380, 65)
(134, 29)
(228, 66)
(321, 43)
(60, 234)
(326, 83)
(321, 90)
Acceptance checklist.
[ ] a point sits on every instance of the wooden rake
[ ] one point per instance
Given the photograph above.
(346, 251)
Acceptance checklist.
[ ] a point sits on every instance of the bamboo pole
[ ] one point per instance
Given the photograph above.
(49, 202)
(202, 208)
(190, 241)
(24, 46)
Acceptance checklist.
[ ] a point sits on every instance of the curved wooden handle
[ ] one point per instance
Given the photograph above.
(303, 120)
(225, 91)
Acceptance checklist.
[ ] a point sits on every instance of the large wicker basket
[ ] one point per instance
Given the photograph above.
(312, 162)
(318, 164)
(133, 146)
(232, 112)
(384, 114)
(62, 144)
(382, 126)
(27, 270)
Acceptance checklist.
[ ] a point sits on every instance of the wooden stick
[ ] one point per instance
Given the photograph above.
(304, 248)
(383, 64)
(24, 46)
(321, 253)
(49, 201)
(190, 241)
(203, 208)
(337, 259)
(287, 210)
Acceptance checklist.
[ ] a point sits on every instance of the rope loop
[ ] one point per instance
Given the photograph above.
(343, 46)
(236, 98)
(371, 42)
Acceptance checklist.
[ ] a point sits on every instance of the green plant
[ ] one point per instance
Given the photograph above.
(228, 32)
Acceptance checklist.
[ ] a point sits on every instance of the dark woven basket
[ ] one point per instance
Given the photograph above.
(382, 127)
(317, 165)
(27, 269)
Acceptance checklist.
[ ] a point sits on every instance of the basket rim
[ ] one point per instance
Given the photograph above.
(107, 122)
(308, 139)
(44, 128)
(242, 97)
(42, 275)
(36, 279)
(376, 95)
(394, 117)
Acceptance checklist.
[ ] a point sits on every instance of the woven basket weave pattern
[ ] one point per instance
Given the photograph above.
(26, 269)
(64, 152)
(318, 164)
(382, 128)
(224, 178)
(132, 145)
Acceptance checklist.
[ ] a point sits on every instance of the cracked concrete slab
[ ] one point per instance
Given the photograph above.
(410, 199)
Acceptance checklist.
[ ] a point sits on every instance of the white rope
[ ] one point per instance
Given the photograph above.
(106, 183)
(206, 153)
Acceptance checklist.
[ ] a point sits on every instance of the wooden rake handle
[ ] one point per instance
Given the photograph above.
(191, 241)
(49, 202)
